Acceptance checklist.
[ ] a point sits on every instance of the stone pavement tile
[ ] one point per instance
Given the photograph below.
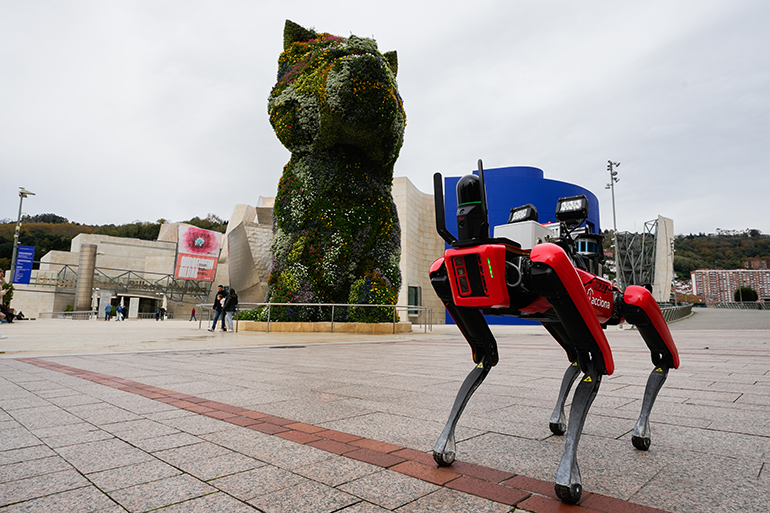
(102, 455)
(17, 438)
(81, 499)
(160, 443)
(260, 481)
(337, 470)
(451, 501)
(614, 467)
(312, 411)
(102, 413)
(293, 456)
(20, 403)
(197, 424)
(536, 459)
(388, 489)
(520, 421)
(212, 503)
(202, 450)
(712, 442)
(76, 399)
(140, 428)
(394, 429)
(30, 468)
(364, 507)
(173, 413)
(25, 454)
(308, 497)
(39, 486)
(76, 438)
(219, 466)
(164, 492)
(702, 482)
(132, 475)
(44, 416)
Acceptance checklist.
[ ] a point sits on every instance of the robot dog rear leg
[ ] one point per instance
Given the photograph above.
(641, 435)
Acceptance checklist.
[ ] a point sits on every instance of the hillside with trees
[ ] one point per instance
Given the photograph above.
(726, 249)
(49, 232)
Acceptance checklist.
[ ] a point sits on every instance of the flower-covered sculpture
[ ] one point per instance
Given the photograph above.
(336, 107)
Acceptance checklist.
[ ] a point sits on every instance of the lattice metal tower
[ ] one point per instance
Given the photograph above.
(635, 262)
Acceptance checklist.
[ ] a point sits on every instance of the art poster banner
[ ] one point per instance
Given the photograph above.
(197, 253)
(24, 257)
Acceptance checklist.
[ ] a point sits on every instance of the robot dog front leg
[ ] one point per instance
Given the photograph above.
(476, 331)
(568, 483)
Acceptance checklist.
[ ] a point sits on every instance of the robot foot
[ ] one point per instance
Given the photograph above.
(444, 459)
(558, 428)
(569, 494)
(641, 442)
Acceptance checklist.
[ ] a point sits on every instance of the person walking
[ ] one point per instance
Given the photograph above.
(192, 315)
(230, 304)
(217, 308)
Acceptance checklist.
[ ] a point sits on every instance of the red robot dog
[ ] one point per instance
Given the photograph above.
(554, 282)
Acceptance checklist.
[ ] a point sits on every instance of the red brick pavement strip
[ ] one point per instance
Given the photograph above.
(496, 485)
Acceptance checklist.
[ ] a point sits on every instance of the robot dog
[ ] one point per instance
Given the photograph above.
(554, 282)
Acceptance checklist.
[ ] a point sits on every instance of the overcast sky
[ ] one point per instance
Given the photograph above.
(115, 111)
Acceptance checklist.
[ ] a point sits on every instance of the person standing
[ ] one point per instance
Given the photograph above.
(217, 308)
(107, 312)
(230, 304)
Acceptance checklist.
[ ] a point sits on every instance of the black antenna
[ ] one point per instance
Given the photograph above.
(485, 213)
(438, 197)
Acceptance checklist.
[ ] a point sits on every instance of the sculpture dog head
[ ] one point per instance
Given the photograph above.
(336, 91)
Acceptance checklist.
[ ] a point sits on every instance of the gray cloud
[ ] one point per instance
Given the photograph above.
(116, 111)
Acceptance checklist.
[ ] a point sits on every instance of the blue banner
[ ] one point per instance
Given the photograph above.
(23, 271)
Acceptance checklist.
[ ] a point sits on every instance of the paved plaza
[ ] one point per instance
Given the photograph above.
(163, 416)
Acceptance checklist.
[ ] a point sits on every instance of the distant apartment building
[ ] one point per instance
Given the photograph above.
(719, 285)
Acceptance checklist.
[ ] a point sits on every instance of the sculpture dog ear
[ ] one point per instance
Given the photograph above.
(392, 59)
(293, 33)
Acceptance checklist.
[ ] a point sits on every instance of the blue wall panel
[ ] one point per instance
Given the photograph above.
(509, 187)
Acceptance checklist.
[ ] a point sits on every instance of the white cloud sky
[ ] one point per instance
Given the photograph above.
(114, 111)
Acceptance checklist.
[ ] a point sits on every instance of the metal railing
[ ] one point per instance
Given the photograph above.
(424, 315)
(84, 315)
(735, 305)
(89, 315)
(674, 313)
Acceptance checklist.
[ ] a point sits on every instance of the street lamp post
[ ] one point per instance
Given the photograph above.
(23, 193)
(614, 179)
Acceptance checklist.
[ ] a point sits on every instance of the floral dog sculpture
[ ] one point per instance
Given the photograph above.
(336, 107)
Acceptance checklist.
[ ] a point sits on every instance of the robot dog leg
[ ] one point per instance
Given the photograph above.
(639, 308)
(558, 422)
(553, 276)
(476, 331)
(473, 325)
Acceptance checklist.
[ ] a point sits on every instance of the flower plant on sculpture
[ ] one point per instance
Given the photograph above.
(337, 239)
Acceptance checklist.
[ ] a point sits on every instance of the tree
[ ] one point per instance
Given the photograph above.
(746, 295)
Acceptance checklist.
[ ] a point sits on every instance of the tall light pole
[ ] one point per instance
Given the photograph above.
(613, 180)
(23, 193)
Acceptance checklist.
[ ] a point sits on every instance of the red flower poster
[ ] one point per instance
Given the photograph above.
(197, 253)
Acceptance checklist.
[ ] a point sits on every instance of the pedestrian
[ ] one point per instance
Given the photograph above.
(192, 315)
(157, 314)
(107, 312)
(217, 308)
(229, 306)
(119, 313)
